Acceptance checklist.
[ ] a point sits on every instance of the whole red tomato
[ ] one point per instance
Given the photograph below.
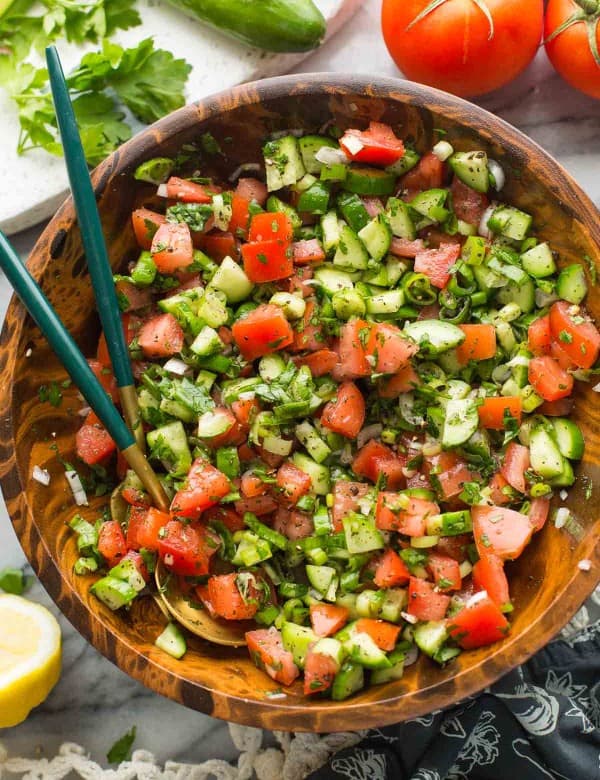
(467, 47)
(570, 51)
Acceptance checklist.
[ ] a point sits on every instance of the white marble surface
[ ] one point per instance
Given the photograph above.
(94, 702)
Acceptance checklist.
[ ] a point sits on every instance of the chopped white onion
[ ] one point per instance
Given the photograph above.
(518, 360)
(297, 132)
(563, 495)
(408, 617)
(596, 388)
(411, 656)
(243, 168)
(584, 565)
(250, 395)
(79, 493)
(28, 352)
(169, 560)
(443, 150)
(561, 516)
(162, 191)
(543, 299)
(276, 695)
(365, 505)
(431, 448)
(40, 475)
(368, 432)
(328, 155)
(353, 144)
(177, 366)
(409, 473)
(483, 229)
(498, 174)
(84, 411)
(476, 598)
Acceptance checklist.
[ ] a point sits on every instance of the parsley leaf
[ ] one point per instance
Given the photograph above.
(121, 750)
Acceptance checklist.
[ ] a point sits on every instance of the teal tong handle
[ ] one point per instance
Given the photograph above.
(62, 343)
(89, 222)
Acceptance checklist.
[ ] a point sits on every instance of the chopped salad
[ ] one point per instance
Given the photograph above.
(355, 374)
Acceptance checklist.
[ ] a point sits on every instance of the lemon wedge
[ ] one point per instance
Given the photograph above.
(29, 657)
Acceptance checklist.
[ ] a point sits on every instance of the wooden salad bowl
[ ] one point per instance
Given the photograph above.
(546, 583)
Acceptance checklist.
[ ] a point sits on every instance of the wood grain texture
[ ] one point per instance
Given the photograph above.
(547, 585)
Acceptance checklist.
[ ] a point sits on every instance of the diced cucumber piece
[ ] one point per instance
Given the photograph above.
(571, 285)
(231, 279)
(353, 210)
(127, 571)
(205, 379)
(271, 366)
(177, 409)
(487, 279)
(212, 309)
(169, 444)
(309, 146)
(472, 169)
(349, 680)
(350, 252)
(395, 672)
(406, 163)
(510, 222)
(521, 294)
(362, 180)
(320, 577)
(319, 474)
(336, 172)
(315, 200)
(113, 592)
(362, 649)
(450, 523)
(394, 268)
(399, 219)
(207, 342)
(394, 602)
(474, 250)
(430, 204)
(330, 227)
(283, 162)
(222, 210)
(213, 423)
(430, 636)
(568, 437)
(388, 302)
(312, 442)
(296, 640)
(228, 461)
(434, 336)
(332, 279)
(293, 306)
(368, 603)
(546, 459)
(348, 303)
(377, 237)
(348, 601)
(330, 647)
(460, 422)
(148, 404)
(233, 388)
(539, 261)
(172, 641)
(566, 478)
(361, 534)
(275, 204)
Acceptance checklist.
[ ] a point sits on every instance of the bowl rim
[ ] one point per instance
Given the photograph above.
(268, 712)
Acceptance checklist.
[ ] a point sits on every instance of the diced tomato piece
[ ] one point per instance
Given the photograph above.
(269, 226)
(293, 524)
(172, 248)
(130, 325)
(187, 549)
(308, 252)
(411, 521)
(298, 282)
(321, 362)
(267, 651)
(500, 531)
(468, 204)
(310, 337)
(93, 444)
(218, 246)
(549, 380)
(346, 499)
(403, 381)
(390, 570)
(139, 564)
(227, 601)
(436, 263)
(132, 298)
(143, 530)
(230, 519)
(111, 542)
(327, 619)
(576, 333)
(145, 224)
(448, 471)
(514, 466)
(252, 485)
(136, 497)
(204, 487)
(445, 571)
(493, 411)
(403, 247)
(392, 471)
(377, 145)
(319, 672)
(346, 413)
(161, 336)
(245, 411)
(454, 546)
(240, 215)
(353, 337)
(539, 336)
(389, 348)
(479, 623)
(497, 485)
(262, 331)
(562, 358)
(106, 378)
(426, 175)
(489, 575)
(233, 434)
(293, 482)
(424, 602)
(538, 512)
(252, 189)
(384, 634)
(187, 191)
(365, 460)
(267, 261)
(479, 343)
(258, 505)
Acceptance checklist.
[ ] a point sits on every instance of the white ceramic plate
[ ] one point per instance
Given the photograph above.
(35, 183)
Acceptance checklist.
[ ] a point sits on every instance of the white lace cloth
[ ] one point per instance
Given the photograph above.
(297, 756)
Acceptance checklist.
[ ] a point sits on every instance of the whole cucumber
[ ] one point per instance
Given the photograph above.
(273, 25)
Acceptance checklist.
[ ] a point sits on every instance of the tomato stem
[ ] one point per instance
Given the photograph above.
(589, 6)
(590, 16)
(479, 3)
